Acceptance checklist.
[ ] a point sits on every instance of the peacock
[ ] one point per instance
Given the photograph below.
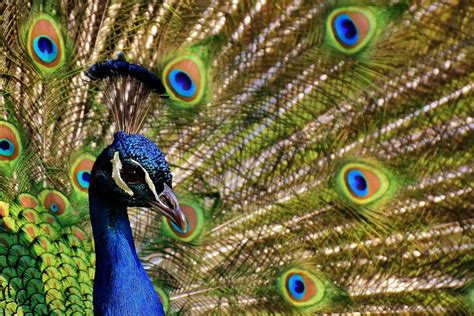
(227, 157)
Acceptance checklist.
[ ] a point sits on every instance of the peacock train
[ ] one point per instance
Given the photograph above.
(228, 157)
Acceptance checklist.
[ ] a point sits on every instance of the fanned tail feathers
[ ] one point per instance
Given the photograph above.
(322, 152)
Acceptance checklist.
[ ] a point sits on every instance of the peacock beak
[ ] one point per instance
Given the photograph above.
(167, 204)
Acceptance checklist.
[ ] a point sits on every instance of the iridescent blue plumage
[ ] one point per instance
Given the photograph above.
(45, 48)
(6, 147)
(143, 150)
(182, 83)
(296, 286)
(346, 30)
(84, 178)
(357, 183)
(130, 172)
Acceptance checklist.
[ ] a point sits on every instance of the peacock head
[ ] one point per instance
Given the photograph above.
(133, 171)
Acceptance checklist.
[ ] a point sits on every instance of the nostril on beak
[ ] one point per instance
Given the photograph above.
(166, 201)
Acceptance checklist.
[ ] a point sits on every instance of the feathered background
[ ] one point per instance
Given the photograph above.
(323, 143)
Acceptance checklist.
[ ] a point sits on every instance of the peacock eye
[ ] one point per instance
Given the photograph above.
(350, 29)
(10, 146)
(132, 175)
(185, 80)
(45, 43)
(80, 172)
(296, 286)
(363, 183)
(358, 184)
(45, 49)
(54, 201)
(182, 83)
(6, 147)
(301, 288)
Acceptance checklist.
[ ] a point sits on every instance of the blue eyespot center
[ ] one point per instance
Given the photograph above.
(299, 287)
(182, 83)
(84, 178)
(45, 45)
(45, 48)
(346, 30)
(54, 207)
(357, 183)
(184, 80)
(6, 147)
(350, 30)
(4, 144)
(296, 286)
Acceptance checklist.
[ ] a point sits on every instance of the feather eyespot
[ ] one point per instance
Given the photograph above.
(53, 207)
(10, 145)
(301, 288)
(57, 204)
(194, 223)
(357, 183)
(84, 178)
(350, 29)
(7, 148)
(182, 83)
(296, 286)
(45, 43)
(363, 183)
(80, 173)
(45, 49)
(185, 80)
(54, 202)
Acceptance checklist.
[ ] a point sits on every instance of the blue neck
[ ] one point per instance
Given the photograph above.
(121, 285)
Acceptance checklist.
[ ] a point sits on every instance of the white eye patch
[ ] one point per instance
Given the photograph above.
(116, 168)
